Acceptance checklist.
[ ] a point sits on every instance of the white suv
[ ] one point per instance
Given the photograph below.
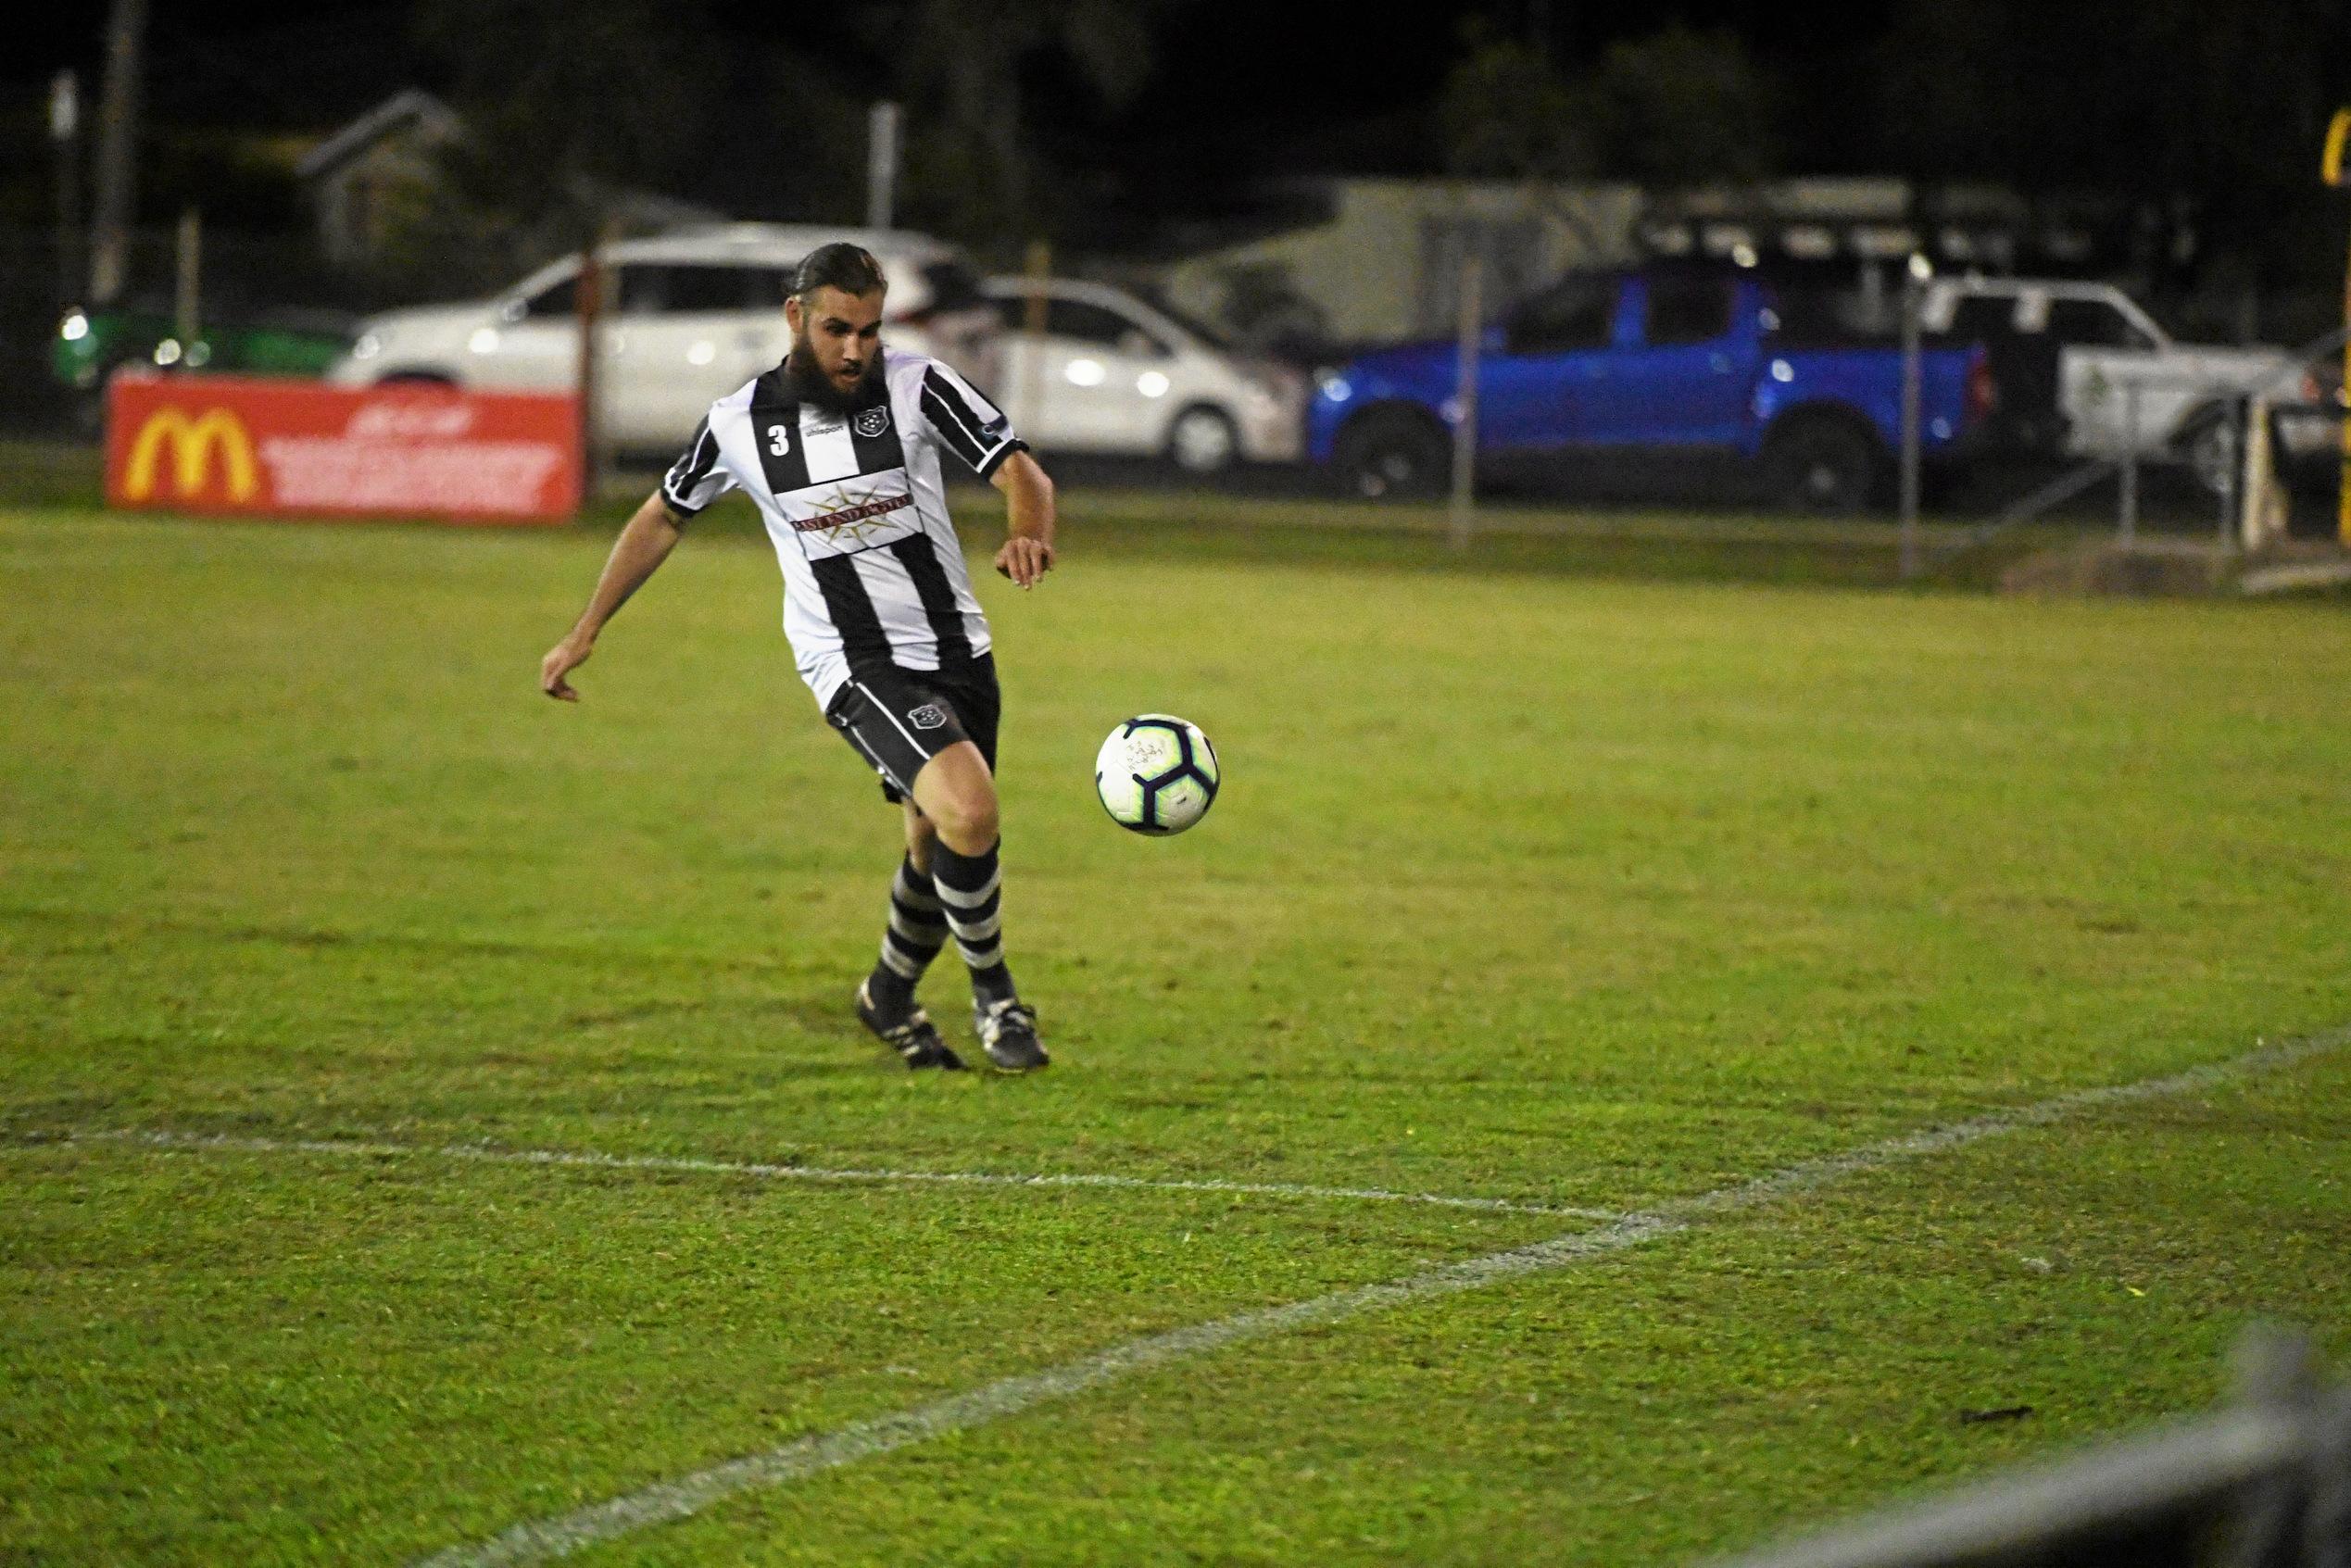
(693, 315)
(1115, 375)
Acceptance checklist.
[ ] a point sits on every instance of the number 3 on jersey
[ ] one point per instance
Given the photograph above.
(778, 441)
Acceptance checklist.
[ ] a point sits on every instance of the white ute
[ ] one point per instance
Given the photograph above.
(2123, 384)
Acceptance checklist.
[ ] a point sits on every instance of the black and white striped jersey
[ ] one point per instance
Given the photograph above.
(873, 572)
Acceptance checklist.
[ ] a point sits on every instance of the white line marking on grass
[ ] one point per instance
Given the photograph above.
(689, 1495)
(490, 1154)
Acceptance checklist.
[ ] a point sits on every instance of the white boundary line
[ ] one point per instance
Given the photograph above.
(490, 1154)
(667, 1501)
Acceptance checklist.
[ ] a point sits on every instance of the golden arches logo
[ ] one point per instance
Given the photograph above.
(192, 442)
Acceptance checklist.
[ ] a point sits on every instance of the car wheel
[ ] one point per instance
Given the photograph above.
(1391, 456)
(1824, 465)
(1202, 441)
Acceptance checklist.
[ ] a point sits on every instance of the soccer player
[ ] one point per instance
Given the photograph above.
(840, 447)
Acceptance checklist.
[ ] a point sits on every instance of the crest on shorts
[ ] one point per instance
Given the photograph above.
(928, 717)
(873, 422)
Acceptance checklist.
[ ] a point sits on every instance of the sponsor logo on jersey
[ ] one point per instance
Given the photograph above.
(873, 422)
(927, 717)
(849, 517)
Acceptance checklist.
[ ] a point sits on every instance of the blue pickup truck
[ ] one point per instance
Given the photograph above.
(1684, 360)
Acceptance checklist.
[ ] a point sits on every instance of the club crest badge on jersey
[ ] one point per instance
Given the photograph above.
(873, 422)
(928, 717)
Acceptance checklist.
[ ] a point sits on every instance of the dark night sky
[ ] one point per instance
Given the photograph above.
(1298, 84)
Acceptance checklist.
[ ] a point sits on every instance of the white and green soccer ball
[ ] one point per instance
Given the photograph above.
(1156, 774)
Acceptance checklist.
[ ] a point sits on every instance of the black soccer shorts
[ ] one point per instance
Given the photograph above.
(899, 719)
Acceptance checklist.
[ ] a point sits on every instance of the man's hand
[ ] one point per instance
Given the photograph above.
(1027, 554)
(642, 547)
(561, 660)
(1024, 559)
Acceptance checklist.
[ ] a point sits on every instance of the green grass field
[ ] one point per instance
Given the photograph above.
(1530, 882)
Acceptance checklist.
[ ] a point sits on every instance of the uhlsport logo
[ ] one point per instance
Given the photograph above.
(875, 421)
(192, 443)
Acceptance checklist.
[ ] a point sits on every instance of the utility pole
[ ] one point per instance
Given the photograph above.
(117, 201)
(64, 134)
(881, 164)
(591, 306)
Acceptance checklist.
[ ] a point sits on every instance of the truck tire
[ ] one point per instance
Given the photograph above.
(1392, 454)
(1823, 464)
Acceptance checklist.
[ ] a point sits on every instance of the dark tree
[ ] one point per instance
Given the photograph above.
(974, 167)
(1683, 107)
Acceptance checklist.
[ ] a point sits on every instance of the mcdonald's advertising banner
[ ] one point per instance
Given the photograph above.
(250, 447)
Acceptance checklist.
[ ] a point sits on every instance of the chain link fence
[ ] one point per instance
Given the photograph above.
(242, 278)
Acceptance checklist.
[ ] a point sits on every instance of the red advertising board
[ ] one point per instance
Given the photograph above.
(242, 446)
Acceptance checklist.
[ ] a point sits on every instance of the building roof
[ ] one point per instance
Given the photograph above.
(400, 111)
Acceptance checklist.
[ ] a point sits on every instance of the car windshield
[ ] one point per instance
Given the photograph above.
(1215, 337)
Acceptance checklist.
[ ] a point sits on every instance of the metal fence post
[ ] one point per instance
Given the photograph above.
(187, 296)
(1466, 402)
(2241, 415)
(2129, 498)
(1912, 301)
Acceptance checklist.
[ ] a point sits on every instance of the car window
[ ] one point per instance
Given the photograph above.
(953, 287)
(559, 298)
(1012, 309)
(1816, 311)
(687, 288)
(1574, 313)
(1984, 316)
(1214, 336)
(1100, 326)
(1688, 311)
(2093, 322)
(765, 288)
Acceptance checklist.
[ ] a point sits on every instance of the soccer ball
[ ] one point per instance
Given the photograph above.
(1156, 774)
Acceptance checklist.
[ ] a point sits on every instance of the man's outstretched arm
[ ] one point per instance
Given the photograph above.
(1027, 554)
(643, 545)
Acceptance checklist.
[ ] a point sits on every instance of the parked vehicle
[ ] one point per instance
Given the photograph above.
(2112, 378)
(1112, 373)
(695, 313)
(1683, 359)
(92, 343)
(2310, 431)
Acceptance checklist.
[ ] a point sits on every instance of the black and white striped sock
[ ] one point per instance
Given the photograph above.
(970, 895)
(916, 932)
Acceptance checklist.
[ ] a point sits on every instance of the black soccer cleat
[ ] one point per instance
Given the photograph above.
(1008, 1031)
(908, 1033)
